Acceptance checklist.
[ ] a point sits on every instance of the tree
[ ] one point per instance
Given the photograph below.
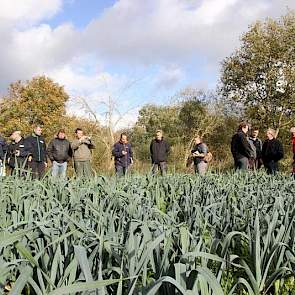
(39, 101)
(260, 75)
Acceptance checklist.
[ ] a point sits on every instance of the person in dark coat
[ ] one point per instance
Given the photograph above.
(272, 152)
(159, 149)
(257, 143)
(3, 151)
(59, 151)
(240, 147)
(122, 152)
(38, 157)
(17, 155)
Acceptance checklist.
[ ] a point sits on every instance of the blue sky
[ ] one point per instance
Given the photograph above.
(135, 51)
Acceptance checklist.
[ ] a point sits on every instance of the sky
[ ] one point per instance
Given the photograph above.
(132, 51)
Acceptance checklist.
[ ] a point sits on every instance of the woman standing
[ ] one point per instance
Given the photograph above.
(199, 153)
(272, 152)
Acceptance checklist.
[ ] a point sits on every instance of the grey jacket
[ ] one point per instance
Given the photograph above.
(82, 149)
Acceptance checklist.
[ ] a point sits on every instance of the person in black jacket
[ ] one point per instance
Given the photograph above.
(3, 151)
(240, 147)
(59, 152)
(17, 154)
(159, 149)
(38, 158)
(272, 152)
(123, 154)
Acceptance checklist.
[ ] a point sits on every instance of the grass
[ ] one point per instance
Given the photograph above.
(179, 234)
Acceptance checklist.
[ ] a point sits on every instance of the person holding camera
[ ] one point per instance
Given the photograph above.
(122, 152)
(82, 146)
(199, 152)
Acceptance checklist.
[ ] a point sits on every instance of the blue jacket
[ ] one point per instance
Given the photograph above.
(120, 159)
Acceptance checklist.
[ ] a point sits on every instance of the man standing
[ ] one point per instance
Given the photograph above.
(3, 150)
(240, 147)
(257, 143)
(159, 149)
(82, 147)
(272, 152)
(37, 148)
(123, 154)
(18, 152)
(59, 152)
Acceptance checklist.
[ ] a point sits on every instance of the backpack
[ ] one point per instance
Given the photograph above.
(208, 157)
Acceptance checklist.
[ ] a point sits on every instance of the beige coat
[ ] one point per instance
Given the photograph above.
(82, 149)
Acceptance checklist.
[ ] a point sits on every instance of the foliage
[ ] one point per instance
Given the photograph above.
(219, 234)
(39, 101)
(260, 75)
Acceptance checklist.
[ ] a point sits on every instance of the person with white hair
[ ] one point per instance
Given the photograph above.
(272, 152)
(18, 152)
(292, 131)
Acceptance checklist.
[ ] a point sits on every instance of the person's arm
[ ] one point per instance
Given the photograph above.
(204, 150)
(24, 152)
(50, 150)
(246, 145)
(75, 144)
(117, 153)
(151, 151)
(70, 151)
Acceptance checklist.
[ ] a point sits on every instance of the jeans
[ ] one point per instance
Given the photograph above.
(162, 166)
(83, 168)
(59, 169)
(120, 170)
(201, 168)
(242, 164)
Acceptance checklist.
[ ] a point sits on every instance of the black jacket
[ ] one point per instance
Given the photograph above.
(14, 160)
(240, 147)
(272, 150)
(37, 147)
(59, 150)
(159, 151)
(120, 159)
(3, 148)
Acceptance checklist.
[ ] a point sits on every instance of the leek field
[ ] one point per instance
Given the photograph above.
(179, 234)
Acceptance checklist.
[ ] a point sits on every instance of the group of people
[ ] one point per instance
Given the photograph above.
(250, 153)
(32, 153)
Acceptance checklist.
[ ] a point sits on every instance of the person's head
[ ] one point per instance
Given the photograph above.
(244, 127)
(270, 133)
(159, 134)
(292, 131)
(255, 132)
(198, 139)
(124, 138)
(61, 134)
(79, 133)
(38, 130)
(16, 135)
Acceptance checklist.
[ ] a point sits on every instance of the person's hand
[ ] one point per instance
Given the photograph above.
(124, 153)
(46, 165)
(17, 153)
(30, 158)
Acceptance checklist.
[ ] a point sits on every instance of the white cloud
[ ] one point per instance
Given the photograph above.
(30, 11)
(163, 34)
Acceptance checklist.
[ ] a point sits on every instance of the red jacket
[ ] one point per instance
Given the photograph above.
(293, 145)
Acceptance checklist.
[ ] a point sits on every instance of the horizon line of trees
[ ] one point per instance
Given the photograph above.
(257, 85)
